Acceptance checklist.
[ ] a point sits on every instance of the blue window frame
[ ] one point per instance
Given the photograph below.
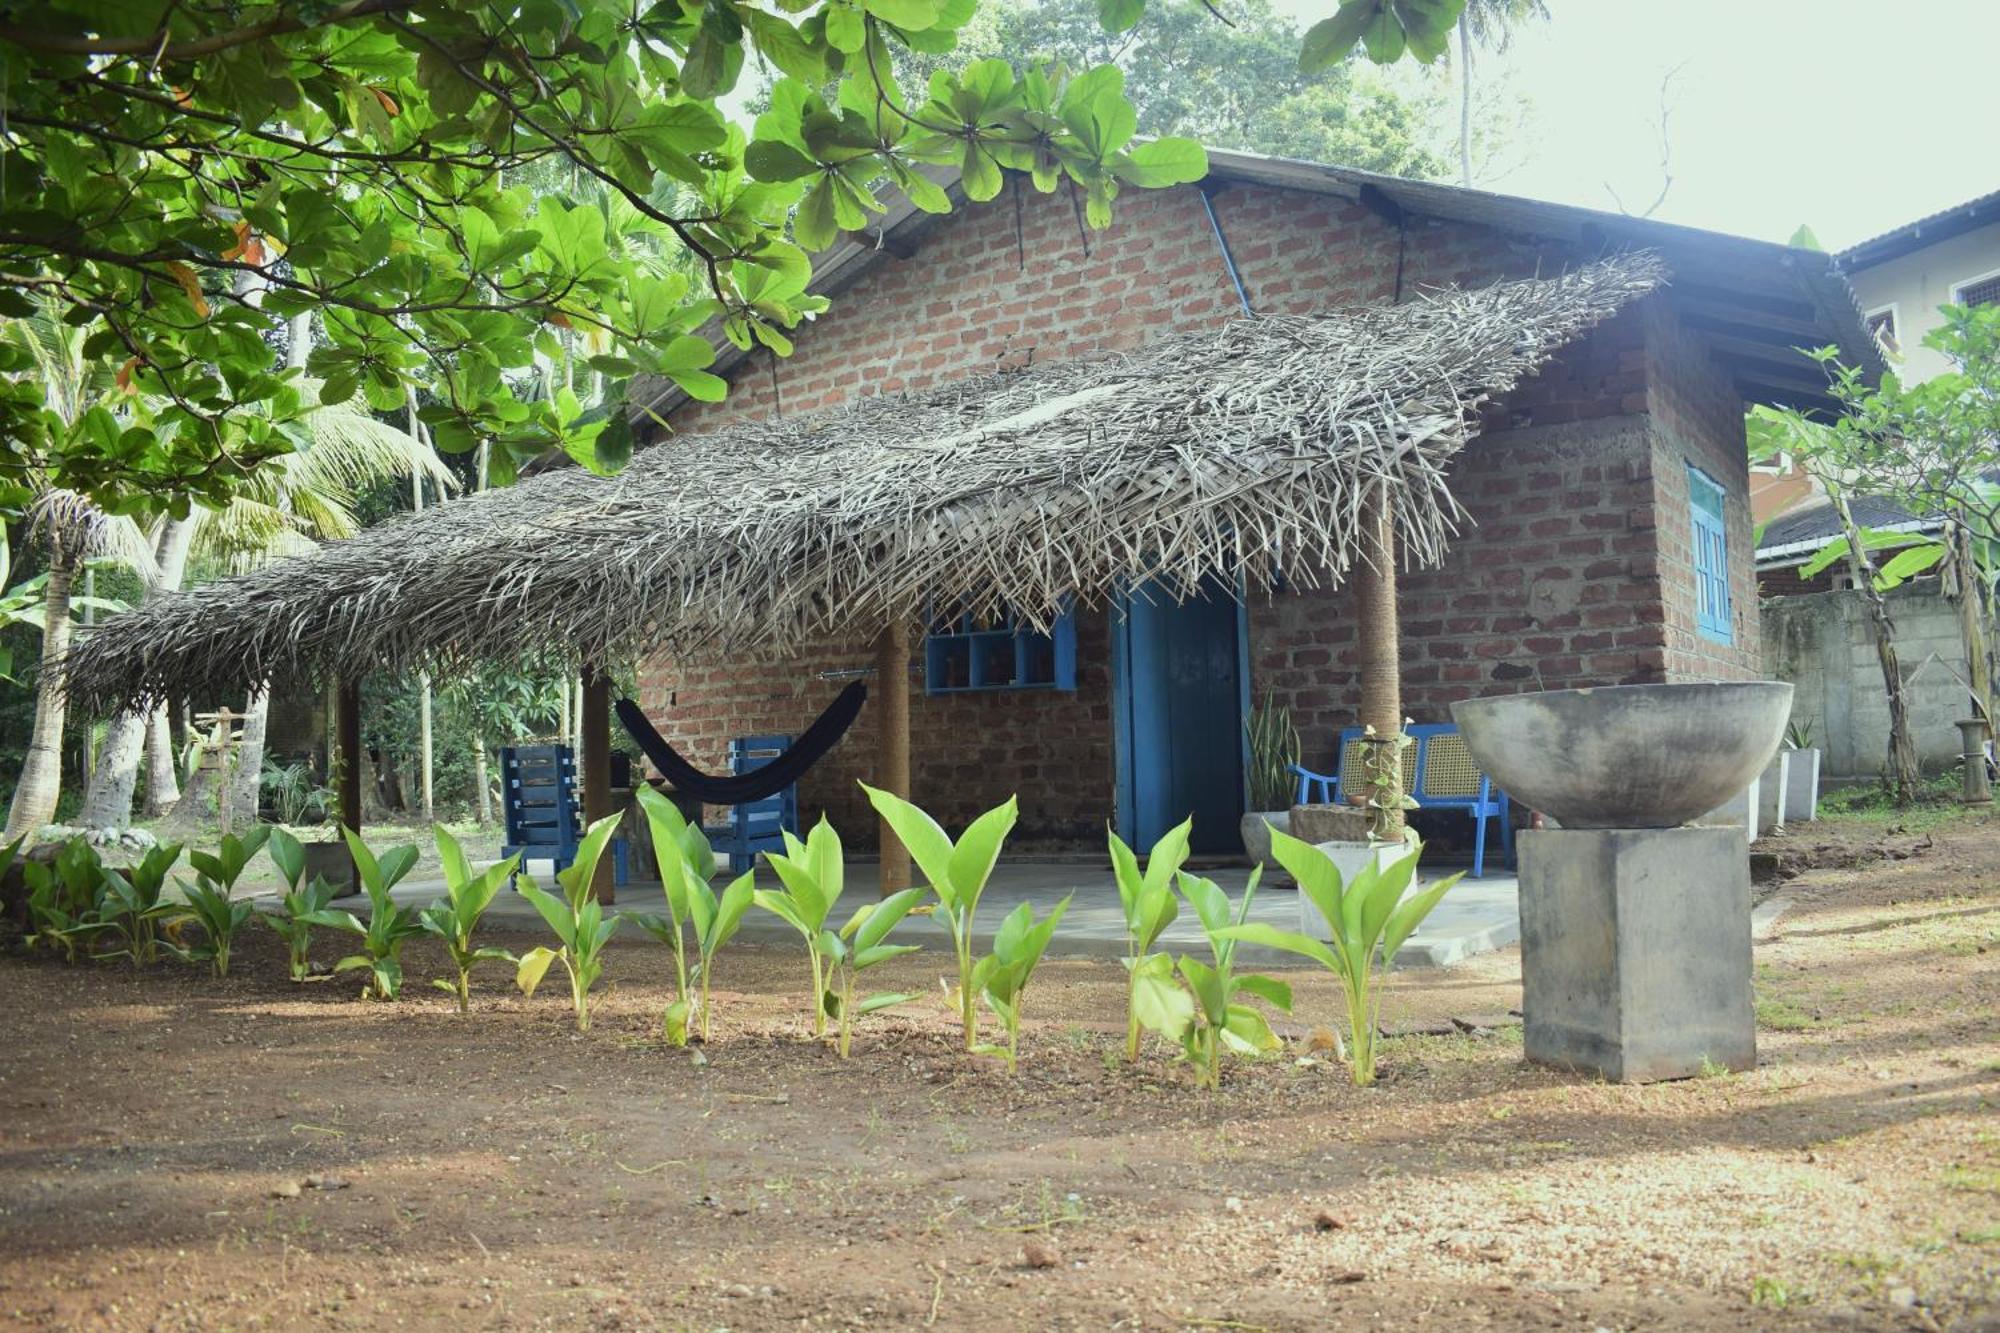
(1711, 557)
(965, 653)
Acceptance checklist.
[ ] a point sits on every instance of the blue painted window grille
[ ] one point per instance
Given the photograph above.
(1711, 558)
(965, 653)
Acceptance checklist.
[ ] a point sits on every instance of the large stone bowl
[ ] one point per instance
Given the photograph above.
(1627, 756)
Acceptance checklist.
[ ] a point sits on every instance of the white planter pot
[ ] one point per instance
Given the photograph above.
(1256, 829)
(1802, 787)
(1349, 858)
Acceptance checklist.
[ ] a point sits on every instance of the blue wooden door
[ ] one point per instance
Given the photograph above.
(1181, 718)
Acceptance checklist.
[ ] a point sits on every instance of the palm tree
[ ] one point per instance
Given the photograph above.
(1490, 24)
(74, 531)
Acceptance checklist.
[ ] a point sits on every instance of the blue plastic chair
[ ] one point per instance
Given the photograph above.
(1438, 772)
(756, 826)
(539, 808)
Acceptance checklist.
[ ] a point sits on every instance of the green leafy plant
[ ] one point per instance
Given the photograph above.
(578, 920)
(1002, 976)
(812, 876)
(1274, 749)
(62, 898)
(687, 864)
(225, 865)
(454, 917)
(390, 924)
(852, 950)
(1367, 918)
(1214, 1020)
(1799, 733)
(293, 918)
(131, 903)
(1150, 907)
(220, 918)
(957, 873)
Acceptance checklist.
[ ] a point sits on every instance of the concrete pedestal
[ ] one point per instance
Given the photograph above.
(1802, 787)
(1635, 951)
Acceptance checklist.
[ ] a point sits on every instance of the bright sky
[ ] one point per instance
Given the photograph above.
(1854, 116)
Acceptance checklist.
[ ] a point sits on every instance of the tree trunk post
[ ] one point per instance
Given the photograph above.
(347, 752)
(163, 783)
(1900, 775)
(892, 740)
(242, 795)
(40, 781)
(1379, 637)
(594, 764)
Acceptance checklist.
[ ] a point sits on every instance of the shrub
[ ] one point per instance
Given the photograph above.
(1368, 920)
(812, 876)
(454, 917)
(579, 922)
(300, 907)
(687, 864)
(62, 898)
(856, 947)
(957, 873)
(390, 924)
(131, 904)
(1210, 1020)
(1002, 976)
(220, 918)
(1150, 907)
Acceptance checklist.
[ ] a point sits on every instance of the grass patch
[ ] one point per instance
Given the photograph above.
(1776, 1013)
(1972, 1179)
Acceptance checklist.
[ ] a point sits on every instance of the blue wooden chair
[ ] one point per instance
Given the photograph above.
(756, 826)
(539, 806)
(1438, 772)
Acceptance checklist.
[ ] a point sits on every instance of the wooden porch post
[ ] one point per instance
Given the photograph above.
(1380, 638)
(594, 767)
(347, 751)
(892, 754)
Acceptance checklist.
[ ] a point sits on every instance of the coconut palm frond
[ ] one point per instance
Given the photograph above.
(70, 521)
(345, 450)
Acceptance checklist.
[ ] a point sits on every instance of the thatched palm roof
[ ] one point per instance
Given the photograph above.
(1224, 451)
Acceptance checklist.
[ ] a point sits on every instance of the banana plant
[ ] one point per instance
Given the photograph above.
(812, 876)
(1002, 976)
(225, 865)
(62, 898)
(1150, 907)
(578, 920)
(220, 917)
(1367, 919)
(390, 924)
(957, 873)
(687, 864)
(856, 947)
(292, 920)
(297, 913)
(1222, 1022)
(455, 916)
(131, 903)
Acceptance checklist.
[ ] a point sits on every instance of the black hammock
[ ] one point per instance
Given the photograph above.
(766, 780)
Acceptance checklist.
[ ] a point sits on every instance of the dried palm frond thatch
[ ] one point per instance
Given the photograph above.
(1227, 452)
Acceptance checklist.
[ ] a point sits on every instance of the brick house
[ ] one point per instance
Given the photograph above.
(1609, 496)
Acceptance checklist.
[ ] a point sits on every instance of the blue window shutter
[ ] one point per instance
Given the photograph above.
(1710, 541)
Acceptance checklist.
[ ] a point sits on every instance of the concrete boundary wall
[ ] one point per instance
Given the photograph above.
(1820, 642)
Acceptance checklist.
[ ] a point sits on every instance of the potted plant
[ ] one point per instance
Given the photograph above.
(1371, 832)
(1274, 749)
(1801, 795)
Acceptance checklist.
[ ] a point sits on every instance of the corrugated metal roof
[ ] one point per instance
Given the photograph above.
(1794, 536)
(1929, 230)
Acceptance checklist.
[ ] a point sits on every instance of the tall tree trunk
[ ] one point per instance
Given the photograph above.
(107, 802)
(40, 783)
(1464, 102)
(246, 777)
(1964, 588)
(163, 779)
(1899, 773)
(482, 799)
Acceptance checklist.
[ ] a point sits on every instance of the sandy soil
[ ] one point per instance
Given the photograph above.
(181, 1153)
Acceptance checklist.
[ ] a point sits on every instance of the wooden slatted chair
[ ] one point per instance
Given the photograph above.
(539, 807)
(756, 826)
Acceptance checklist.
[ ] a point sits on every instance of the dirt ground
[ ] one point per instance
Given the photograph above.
(181, 1153)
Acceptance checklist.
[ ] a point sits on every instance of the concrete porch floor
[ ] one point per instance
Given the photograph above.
(1477, 916)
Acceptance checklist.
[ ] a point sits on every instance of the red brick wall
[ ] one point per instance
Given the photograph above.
(1698, 419)
(1554, 584)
